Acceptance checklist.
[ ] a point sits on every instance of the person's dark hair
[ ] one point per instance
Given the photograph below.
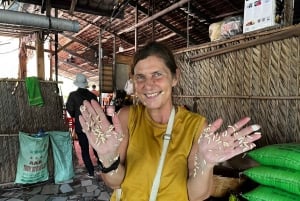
(154, 48)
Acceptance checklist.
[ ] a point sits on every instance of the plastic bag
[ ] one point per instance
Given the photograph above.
(62, 155)
(281, 178)
(129, 87)
(232, 26)
(262, 193)
(32, 161)
(214, 31)
(285, 155)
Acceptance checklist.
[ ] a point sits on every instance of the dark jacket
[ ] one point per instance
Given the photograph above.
(74, 102)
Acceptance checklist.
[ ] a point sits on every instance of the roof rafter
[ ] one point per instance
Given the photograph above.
(165, 24)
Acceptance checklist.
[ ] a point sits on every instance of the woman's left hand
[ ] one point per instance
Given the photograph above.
(217, 147)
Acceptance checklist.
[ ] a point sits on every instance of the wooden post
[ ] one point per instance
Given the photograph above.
(22, 60)
(39, 45)
(50, 60)
(288, 12)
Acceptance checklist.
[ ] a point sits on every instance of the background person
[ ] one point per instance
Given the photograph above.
(95, 91)
(75, 99)
(130, 151)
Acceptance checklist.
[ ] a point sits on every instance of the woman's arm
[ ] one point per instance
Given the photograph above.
(115, 178)
(200, 178)
(213, 148)
(109, 140)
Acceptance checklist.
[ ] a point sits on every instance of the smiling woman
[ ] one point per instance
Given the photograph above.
(136, 144)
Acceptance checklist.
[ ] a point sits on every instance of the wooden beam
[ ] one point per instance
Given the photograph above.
(105, 29)
(164, 23)
(73, 39)
(90, 63)
(72, 7)
(76, 34)
(100, 10)
(78, 67)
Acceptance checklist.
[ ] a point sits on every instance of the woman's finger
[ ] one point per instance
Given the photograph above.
(84, 112)
(243, 133)
(93, 112)
(118, 127)
(96, 106)
(82, 121)
(238, 125)
(213, 127)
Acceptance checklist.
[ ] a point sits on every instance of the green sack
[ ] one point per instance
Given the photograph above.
(62, 155)
(265, 193)
(281, 178)
(280, 155)
(32, 161)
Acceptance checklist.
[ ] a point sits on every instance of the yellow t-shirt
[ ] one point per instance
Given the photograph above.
(144, 150)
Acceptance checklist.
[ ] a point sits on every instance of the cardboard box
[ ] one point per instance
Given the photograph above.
(259, 14)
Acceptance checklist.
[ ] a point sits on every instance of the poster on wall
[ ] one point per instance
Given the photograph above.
(259, 14)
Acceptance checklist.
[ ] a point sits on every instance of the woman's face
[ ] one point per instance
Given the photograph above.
(153, 82)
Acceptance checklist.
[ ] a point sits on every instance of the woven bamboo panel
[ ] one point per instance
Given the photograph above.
(17, 115)
(262, 81)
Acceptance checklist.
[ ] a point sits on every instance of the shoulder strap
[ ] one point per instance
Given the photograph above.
(167, 138)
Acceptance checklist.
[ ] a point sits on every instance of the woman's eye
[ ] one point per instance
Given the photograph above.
(156, 74)
(139, 78)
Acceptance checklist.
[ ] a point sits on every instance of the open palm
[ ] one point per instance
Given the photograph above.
(218, 147)
(103, 136)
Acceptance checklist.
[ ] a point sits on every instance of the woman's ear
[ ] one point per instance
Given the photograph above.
(176, 77)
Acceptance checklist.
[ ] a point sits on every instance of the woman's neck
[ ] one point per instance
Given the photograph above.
(160, 115)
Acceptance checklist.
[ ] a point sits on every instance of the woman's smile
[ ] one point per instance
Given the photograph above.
(153, 95)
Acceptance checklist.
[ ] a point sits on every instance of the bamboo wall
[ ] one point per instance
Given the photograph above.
(17, 115)
(256, 75)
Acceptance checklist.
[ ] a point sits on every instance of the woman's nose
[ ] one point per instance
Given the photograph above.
(149, 82)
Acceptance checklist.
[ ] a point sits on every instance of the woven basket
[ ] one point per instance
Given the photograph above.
(223, 185)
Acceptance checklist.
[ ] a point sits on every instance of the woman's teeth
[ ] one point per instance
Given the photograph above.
(152, 95)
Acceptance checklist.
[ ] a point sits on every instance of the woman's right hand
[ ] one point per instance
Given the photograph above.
(103, 136)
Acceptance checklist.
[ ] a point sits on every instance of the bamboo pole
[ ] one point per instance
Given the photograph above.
(23, 80)
(242, 97)
(8, 135)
